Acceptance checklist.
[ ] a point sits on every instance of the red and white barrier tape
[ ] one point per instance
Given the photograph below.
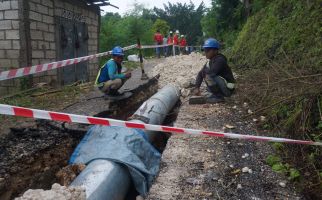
(154, 46)
(188, 46)
(64, 117)
(15, 73)
(130, 47)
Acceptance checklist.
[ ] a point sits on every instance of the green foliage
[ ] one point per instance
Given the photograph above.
(183, 17)
(279, 168)
(123, 31)
(162, 26)
(272, 160)
(276, 163)
(131, 65)
(25, 83)
(282, 27)
(224, 20)
(294, 174)
(319, 126)
(278, 146)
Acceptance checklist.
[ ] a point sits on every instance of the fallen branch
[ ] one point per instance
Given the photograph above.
(278, 102)
(291, 79)
(19, 93)
(44, 93)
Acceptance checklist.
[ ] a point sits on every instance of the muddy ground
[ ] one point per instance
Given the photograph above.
(33, 151)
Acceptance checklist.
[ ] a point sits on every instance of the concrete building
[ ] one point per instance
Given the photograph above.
(40, 31)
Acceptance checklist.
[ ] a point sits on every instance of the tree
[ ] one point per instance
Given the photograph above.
(224, 20)
(162, 26)
(183, 17)
(123, 31)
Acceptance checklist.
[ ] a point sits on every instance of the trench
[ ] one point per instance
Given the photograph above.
(31, 156)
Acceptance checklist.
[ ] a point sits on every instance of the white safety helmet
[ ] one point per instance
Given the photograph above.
(171, 32)
(177, 31)
(182, 35)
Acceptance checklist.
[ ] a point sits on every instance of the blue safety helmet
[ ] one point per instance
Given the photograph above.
(211, 43)
(117, 51)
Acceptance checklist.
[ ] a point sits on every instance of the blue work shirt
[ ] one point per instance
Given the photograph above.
(110, 71)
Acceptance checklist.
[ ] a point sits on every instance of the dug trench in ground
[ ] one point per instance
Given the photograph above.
(31, 154)
(201, 167)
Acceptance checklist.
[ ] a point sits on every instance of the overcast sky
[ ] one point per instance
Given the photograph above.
(125, 5)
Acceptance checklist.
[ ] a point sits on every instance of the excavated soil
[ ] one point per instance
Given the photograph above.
(33, 151)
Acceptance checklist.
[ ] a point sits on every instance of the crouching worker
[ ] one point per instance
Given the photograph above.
(110, 78)
(216, 73)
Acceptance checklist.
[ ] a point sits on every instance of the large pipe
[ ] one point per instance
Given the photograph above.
(103, 179)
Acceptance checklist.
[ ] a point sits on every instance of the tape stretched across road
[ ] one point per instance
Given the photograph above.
(25, 71)
(154, 46)
(15, 73)
(64, 117)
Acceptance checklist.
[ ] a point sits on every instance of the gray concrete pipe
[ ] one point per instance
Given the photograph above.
(103, 179)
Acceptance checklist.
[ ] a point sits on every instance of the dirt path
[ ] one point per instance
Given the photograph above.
(201, 167)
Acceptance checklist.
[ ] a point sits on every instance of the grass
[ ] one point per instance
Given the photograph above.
(282, 42)
(51, 101)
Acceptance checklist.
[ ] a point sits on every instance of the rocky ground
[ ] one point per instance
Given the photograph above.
(201, 167)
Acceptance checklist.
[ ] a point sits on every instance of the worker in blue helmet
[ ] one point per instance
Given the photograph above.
(110, 78)
(216, 73)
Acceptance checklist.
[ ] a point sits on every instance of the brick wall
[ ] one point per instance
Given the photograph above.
(9, 42)
(41, 37)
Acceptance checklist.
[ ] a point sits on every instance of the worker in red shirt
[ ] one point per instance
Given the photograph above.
(170, 42)
(183, 44)
(158, 39)
(176, 42)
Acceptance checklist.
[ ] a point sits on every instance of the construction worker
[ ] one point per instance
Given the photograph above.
(170, 42)
(110, 78)
(183, 44)
(158, 39)
(216, 73)
(176, 42)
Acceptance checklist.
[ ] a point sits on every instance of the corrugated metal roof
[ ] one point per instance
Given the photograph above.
(98, 2)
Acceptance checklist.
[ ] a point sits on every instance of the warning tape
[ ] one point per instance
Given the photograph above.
(15, 73)
(154, 46)
(188, 46)
(64, 117)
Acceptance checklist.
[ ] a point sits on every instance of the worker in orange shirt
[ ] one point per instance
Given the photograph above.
(158, 39)
(170, 42)
(183, 44)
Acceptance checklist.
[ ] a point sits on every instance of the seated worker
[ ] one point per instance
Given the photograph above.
(216, 73)
(110, 78)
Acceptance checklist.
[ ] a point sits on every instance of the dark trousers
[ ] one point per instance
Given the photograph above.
(169, 52)
(219, 87)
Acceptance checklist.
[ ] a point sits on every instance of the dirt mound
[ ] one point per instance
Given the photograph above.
(57, 192)
(179, 70)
